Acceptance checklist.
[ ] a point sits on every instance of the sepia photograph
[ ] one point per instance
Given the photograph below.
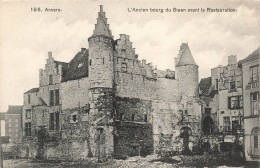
(141, 83)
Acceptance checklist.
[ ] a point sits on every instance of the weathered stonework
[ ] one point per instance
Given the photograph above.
(115, 105)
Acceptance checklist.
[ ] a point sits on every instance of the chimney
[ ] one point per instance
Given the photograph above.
(143, 63)
(49, 54)
(232, 59)
(101, 8)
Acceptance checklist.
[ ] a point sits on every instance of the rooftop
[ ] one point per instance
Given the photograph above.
(14, 109)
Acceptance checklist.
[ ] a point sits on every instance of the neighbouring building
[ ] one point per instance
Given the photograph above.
(228, 82)
(251, 93)
(222, 94)
(13, 123)
(107, 103)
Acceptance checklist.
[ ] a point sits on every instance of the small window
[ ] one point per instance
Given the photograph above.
(90, 62)
(222, 112)
(232, 85)
(133, 117)
(57, 120)
(226, 123)
(145, 117)
(103, 60)
(232, 72)
(29, 99)
(51, 121)
(121, 116)
(256, 141)
(28, 114)
(74, 118)
(28, 129)
(50, 79)
(124, 67)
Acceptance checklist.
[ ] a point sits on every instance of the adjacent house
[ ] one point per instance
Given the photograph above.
(251, 101)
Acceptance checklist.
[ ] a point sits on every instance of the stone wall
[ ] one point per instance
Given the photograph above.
(74, 93)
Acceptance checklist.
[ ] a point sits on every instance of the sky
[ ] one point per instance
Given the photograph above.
(26, 36)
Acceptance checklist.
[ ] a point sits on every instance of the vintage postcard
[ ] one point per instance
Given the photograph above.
(140, 83)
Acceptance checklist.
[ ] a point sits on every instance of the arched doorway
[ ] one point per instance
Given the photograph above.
(185, 133)
(207, 125)
(255, 141)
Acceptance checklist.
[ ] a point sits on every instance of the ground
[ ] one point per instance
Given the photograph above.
(151, 161)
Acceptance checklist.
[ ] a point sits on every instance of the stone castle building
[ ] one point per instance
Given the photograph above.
(107, 103)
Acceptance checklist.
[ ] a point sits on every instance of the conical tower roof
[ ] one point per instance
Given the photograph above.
(102, 28)
(185, 56)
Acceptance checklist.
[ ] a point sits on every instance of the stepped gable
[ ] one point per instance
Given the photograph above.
(77, 67)
(102, 28)
(185, 55)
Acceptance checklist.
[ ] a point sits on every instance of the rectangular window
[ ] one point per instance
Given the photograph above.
(29, 99)
(145, 117)
(255, 103)
(52, 97)
(232, 72)
(254, 73)
(235, 102)
(28, 129)
(57, 121)
(232, 86)
(226, 123)
(51, 121)
(256, 141)
(28, 114)
(124, 67)
(57, 97)
(133, 117)
(240, 101)
(121, 116)
(50, 79)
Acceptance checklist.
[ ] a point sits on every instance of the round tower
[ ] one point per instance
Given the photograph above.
(101, 54)
(186, 72)
(101, 76)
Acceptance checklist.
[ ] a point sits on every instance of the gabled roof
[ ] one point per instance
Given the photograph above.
(102, 28)
(186, 57)
(14, 110)
(77, 67)
(32, 90)
(253, 56)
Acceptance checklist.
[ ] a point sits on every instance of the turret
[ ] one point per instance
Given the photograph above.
(101, 53)
(186, 72)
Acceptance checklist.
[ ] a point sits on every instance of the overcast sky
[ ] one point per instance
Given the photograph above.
(26, 37)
